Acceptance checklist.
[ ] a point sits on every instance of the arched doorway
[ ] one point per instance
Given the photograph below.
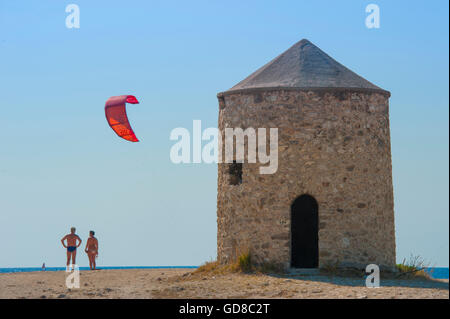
(305, 232)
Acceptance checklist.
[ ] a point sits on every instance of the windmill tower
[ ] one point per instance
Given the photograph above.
(331, 199)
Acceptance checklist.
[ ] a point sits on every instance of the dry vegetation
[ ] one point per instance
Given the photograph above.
(413, 268)
(242, 264)
(409, 269)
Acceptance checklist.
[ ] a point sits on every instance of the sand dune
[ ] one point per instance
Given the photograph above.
(182, 283)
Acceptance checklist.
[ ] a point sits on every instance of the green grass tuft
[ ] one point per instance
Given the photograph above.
(413, 267)
(243, 264)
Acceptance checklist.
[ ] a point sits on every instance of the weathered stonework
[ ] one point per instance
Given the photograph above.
(333, 144)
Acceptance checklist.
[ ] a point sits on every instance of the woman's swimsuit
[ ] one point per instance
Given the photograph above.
(71, 248)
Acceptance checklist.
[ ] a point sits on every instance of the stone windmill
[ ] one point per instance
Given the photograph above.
(331, 199)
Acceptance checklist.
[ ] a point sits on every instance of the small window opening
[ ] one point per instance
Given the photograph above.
(235, 171)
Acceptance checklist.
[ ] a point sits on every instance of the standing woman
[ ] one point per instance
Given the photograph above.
(92, 249)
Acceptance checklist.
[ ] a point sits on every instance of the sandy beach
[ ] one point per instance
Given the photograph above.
(183, 283)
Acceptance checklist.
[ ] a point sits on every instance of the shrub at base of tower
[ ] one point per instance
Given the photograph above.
(242, 264)
(413, 268)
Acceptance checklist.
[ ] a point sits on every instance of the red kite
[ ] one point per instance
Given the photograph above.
(116, 116)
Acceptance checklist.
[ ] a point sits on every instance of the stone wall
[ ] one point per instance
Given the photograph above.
(334, 146)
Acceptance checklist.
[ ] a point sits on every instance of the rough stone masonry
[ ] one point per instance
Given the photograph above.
(333, 144)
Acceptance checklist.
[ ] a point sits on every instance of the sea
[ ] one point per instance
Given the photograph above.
(435, 272)
(30, 269)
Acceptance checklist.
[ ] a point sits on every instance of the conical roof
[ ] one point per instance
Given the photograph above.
(304, 66)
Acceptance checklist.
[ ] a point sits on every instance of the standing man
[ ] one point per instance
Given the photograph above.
(72, 245)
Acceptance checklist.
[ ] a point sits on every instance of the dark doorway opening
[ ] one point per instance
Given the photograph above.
(235, 171)
(305, 232)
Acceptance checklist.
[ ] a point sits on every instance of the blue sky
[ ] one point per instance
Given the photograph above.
(61, 165)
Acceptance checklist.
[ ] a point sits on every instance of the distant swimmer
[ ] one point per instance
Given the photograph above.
(72, 245)
(43, 267)
(92, 249)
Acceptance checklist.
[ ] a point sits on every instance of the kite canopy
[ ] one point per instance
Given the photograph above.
(116, 116)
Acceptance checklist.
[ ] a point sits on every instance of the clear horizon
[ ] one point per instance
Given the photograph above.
(62, 165)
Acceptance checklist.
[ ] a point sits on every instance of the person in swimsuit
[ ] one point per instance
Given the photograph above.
(72, 245)
(92, 249)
